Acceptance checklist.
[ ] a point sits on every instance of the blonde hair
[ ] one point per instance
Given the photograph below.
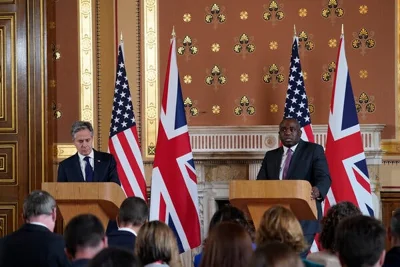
(156, 242)
(279, 224)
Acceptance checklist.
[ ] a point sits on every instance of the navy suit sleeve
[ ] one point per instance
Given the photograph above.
(112, 171)
(322, 179)
(61, 176)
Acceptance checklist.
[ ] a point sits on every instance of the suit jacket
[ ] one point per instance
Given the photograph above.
(33, 246)
(308, 163)
(105, 169)
(80, 263)
(392, 257)
(122, 239)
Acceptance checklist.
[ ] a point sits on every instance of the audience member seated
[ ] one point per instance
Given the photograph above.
(279, 224)
(360, 242)
(228, 245)
(114, 257)
(35, 244)
(133, 213)
(156, 245)
(335, 214)
(392, 257)
(226, 214)
(275, 254)
(84, 238)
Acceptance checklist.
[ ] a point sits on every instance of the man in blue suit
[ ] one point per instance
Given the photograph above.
(87, 165)
(298, 160)
(133, 213)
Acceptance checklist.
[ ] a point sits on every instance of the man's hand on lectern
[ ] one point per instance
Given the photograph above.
(315, 194)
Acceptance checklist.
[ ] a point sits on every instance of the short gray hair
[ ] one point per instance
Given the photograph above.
(38, 203)
(395, 223)
(79, 126)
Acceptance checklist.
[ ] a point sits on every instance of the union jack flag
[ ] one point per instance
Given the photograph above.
(344, 148)
(296, 105)
(124, 141)
(174, 184)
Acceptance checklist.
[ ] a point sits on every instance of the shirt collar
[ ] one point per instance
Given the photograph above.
(293, 148)
(38, 223)
(91, 155)
(127, 229)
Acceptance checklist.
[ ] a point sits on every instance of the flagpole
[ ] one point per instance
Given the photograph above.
(294, 29)
(121, 43)
(173, 32)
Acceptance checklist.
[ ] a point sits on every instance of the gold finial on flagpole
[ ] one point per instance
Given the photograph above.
(121, 38)
(342, 30)
(173, 31)
(294, 29)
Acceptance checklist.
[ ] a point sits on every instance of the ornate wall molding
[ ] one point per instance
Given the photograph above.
(86, 66)
(150, 76)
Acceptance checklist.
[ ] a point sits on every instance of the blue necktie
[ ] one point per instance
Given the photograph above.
(88, 170)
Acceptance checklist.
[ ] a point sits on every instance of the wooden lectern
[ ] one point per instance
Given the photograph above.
(255, 197)
(100, 199)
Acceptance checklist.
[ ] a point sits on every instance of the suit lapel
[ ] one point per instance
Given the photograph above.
(277, 165)
(78, 168)
(295, 156)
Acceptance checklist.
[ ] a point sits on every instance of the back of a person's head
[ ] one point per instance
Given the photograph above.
(38, 203)
(230, 213)
(114, 257)
(360, 241)
(133, 210)
(228, 245)
(275, 254)
(83, 231)
(332, 218)
(279, 224)
(157, 242)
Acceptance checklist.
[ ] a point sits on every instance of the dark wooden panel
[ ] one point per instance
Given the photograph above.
(23, 110)
(390, 202)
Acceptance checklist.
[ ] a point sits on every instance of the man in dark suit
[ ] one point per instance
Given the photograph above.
(87, 164)
(84, 239)
(392, 257)
(35, 244)
(133, 213)
(298, 160)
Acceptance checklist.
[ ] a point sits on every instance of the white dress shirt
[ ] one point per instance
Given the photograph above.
(38, 223)
(284, 156)
(82, 162)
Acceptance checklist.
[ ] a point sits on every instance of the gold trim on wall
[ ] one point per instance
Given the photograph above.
(63, 151)
(392, 146)
(86, 61)
(151, 76)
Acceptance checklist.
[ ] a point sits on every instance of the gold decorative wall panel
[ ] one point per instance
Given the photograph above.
(86, 61)
(8, 220)
(8, 163)
(7, 74)
(151, 77)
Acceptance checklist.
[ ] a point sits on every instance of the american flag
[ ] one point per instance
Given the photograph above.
(174, 197)
(123, 143)
(344, 148)
(296, 105)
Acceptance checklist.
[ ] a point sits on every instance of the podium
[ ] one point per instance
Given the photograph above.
(255, 197)
(100, 199)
